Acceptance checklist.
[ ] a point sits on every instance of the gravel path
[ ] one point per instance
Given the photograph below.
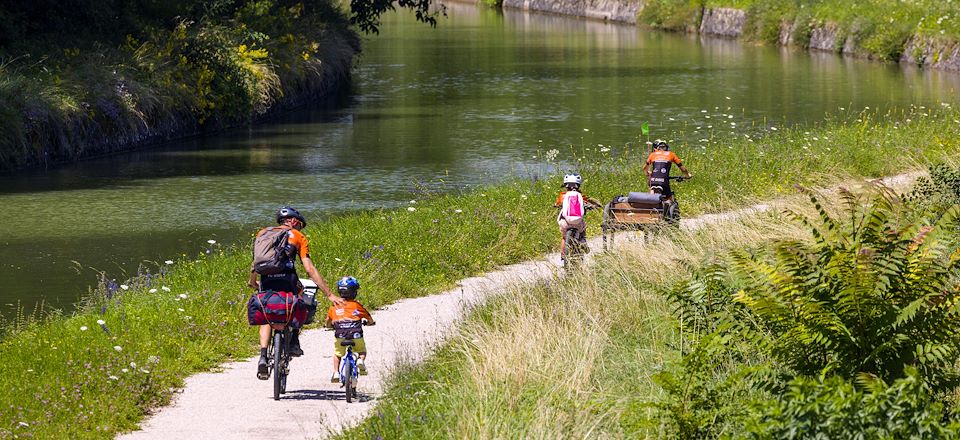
(233, 404)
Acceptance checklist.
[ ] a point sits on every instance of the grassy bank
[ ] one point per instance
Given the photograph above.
(879, 28)
(573, 358)
(97, 83)
(81, 379)
(688, 336)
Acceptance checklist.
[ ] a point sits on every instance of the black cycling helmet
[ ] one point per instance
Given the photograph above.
(660, 145)
(287, 212)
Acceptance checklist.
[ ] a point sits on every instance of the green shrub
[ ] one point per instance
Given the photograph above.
(833, 408)
(674, 15)
(936, 193)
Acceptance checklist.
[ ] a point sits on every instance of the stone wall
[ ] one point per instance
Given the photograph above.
(624, 11)
(723, 22)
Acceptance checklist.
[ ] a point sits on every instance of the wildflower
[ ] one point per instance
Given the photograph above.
(411, 209)
(144, 371)
(168, 262)
(179, 309)
(458, 211)
(112, 377)
(552, 154)
(118, 348)
(153, 359)
(413, 202)
(183, 295)
(727, 98)
(165, 288)
(604, 150)
(124, 286)
(523, 196)
(83, 328)
(703, 111)
(101, 322)
(586, 129)
(212, 241)
(133, 365)
(124, 370)
(336, 258)
(153, 290)
(773, 128)
(188, 318)
(24, 424)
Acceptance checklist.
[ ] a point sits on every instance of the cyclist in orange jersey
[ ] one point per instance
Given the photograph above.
(658, 166)
(288, 280)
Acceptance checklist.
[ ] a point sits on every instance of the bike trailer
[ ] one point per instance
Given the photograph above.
(271, 307)
(634, 208)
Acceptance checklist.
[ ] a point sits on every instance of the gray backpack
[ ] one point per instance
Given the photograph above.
(271, 254)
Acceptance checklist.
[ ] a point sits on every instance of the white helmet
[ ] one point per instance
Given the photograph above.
(572, 178)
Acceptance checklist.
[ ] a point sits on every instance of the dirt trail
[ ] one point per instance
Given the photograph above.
(233, 404)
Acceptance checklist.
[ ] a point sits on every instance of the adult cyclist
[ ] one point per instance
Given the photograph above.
(658, 166)
(288, 280)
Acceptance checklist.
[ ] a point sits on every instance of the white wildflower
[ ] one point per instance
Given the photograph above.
(411, 209)
(153, 290)
(165, 288)
(83, 328)
(101, 322)
(112, 377)
(458, 211)
(124, 370)
(183, 295)
(212, 241)
(168, 262)
(118, 348)
(124, 286)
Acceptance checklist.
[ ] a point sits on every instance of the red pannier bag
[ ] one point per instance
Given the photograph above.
(271, 307)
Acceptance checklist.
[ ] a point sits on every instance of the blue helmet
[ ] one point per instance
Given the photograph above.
(348, 287)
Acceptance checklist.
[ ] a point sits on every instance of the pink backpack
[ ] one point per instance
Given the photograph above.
(572, 208)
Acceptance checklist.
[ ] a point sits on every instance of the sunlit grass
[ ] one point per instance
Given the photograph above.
(571, 358)
(412, 252)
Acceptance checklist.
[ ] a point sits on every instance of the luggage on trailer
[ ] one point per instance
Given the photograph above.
(271, 307)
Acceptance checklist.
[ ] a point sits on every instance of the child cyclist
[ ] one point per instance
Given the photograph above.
(346, 319)
(572, 204)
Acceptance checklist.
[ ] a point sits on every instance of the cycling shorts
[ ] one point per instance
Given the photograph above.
(341, 351)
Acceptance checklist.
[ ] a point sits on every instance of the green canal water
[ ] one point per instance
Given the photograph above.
(480, 97)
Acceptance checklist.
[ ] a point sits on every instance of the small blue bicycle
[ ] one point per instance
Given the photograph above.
(349, 373)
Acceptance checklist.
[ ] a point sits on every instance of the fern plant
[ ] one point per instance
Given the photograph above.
(871, 294)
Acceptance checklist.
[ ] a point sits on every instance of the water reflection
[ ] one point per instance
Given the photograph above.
(470, 101)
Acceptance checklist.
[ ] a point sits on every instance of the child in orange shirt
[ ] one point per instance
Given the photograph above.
(347, 322)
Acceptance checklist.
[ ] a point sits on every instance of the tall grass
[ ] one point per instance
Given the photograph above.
(70, 381)
(571, 358)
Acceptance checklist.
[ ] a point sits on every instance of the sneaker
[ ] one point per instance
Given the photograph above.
(263, 373)
(335, 378)
(295, 349)
(361, 367)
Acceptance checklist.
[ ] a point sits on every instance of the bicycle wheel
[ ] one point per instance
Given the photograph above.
(570, 247)
(673, 214)
(348, 385)
(278, 366)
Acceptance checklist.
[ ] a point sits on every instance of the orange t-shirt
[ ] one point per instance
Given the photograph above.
(346, 319)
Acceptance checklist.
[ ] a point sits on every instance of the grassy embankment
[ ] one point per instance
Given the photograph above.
(88, 77)
(881, 28)
(79, 379)
(578, 357)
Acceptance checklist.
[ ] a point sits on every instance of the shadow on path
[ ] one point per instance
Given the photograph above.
(323, 395)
